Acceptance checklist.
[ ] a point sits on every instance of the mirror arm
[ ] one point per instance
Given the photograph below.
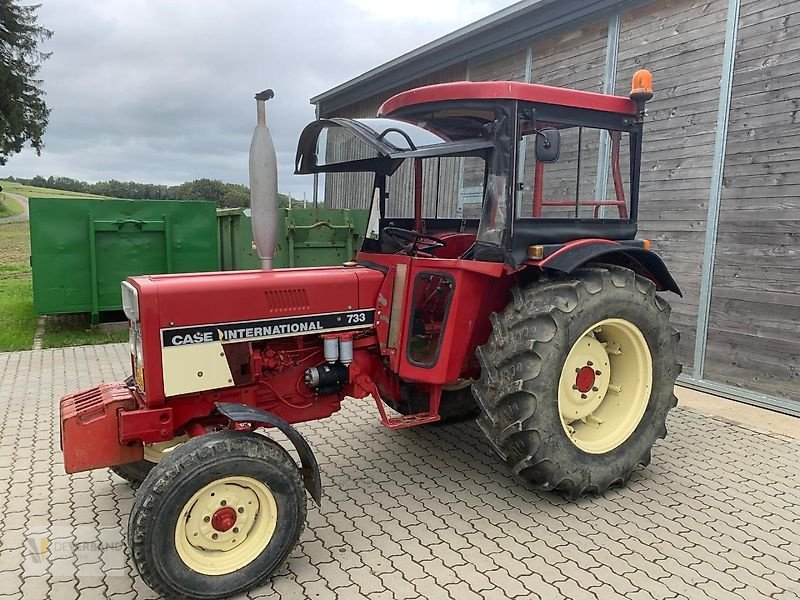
(540, 132)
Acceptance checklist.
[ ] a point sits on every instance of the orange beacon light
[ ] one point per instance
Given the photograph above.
(642, 86)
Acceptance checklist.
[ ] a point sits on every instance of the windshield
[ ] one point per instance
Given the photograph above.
(402, 135)
(376, 145)
(336, 144)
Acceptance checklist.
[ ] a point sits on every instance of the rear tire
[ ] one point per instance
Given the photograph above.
(217, 516)
(529, 357)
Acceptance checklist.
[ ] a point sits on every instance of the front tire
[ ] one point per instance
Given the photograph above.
(217, 516)
(577, 379)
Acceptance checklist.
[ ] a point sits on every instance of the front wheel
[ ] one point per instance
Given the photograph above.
(577, 379)
(217, 516)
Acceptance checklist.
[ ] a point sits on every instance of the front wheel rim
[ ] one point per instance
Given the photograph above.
(226, 525)
(605, 385)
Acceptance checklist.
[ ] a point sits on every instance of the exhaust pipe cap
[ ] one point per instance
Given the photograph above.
(265, 95)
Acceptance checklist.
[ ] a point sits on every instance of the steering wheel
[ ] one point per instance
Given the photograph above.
(410, 239)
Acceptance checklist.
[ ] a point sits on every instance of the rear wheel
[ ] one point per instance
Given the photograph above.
(577, 379)
(217, 517)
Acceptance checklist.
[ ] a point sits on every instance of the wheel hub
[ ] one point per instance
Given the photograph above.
(224, 519)
(605, 385)
(584, 380)
(225, 525)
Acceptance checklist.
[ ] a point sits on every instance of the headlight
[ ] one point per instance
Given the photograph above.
(130, 301)
(137, 352)
(133, 334)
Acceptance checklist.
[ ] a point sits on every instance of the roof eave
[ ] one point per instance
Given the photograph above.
(438, 44)
(524, 21)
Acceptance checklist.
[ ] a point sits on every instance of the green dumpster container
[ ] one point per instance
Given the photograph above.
(81, 249)
(236, 249)
(307, 237)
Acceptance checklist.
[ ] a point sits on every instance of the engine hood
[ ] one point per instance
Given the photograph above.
(209, 298)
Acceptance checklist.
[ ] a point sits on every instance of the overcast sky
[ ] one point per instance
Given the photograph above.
(162, 91)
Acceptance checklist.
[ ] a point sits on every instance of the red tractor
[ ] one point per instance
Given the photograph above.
(533, 307)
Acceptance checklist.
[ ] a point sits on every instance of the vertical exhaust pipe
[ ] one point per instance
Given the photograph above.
(264, 185)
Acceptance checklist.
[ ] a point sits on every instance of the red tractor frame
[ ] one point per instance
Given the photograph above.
(539, 315)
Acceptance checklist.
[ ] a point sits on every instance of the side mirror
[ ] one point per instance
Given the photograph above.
(548, 145)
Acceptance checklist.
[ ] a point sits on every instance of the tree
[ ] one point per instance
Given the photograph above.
(236, 196)
(23, 112)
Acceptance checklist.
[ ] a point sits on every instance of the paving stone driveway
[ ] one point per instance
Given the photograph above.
(421, 513)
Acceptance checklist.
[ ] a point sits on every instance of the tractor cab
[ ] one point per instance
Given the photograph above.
(474, 188)
(487, 171)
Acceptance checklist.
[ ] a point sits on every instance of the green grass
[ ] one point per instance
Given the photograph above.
(15, 248)
(8, 206)
(17, 317)
(29, 190)
(76, 330)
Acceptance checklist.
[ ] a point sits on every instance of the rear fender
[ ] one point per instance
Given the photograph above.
(241, 413)
(640, 260)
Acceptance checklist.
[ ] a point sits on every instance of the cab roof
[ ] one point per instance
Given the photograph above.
(508, 90)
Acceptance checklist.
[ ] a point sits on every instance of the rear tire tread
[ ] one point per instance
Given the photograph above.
(509, 423)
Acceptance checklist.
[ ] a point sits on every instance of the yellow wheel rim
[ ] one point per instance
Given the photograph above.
(226, 525)
(159, 450)
(605, 385)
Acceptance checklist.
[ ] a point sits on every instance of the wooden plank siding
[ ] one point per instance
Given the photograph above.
(754, 321)
(681, 42)
(439, 190)
(508, 65)
(574, 59)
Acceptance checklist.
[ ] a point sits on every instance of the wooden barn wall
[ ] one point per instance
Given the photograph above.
(509, 65)
(575, 59)
(681, 42)
(354, 190)
(439, 190)
(754, 321)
